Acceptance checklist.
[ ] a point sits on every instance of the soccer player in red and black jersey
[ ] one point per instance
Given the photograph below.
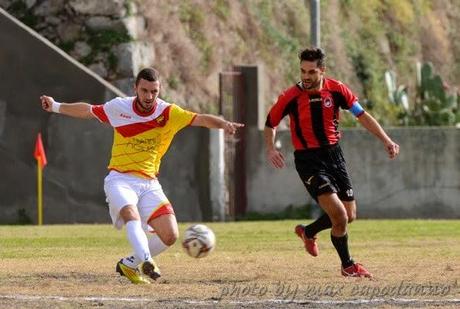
(313, 109)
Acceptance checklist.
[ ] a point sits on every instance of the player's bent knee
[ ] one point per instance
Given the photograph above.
(340, 222)
(351, 213)
(169, 238)
(129, 213)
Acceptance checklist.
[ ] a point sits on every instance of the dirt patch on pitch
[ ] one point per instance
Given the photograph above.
(72, 302)
(108, 290)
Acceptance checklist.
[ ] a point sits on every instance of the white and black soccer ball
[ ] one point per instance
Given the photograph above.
(199, 240)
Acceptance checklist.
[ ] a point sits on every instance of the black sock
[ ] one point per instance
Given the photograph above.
(341, 245)
(322, 223)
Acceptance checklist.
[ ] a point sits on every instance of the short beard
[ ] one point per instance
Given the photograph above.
(141, 106)
(314, 85)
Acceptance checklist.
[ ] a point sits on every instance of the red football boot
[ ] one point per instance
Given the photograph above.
(356, 270)
(310, 243)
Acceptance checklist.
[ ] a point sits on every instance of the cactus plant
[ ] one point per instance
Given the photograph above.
(398, 96)
(434, 104)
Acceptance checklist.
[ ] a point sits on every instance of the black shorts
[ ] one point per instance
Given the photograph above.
(323, 170)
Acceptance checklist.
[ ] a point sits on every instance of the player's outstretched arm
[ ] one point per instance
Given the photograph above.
(214, 122)
(77, 110)
(374, 127)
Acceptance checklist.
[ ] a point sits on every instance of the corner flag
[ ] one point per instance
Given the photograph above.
(40, 156)
(39, 152)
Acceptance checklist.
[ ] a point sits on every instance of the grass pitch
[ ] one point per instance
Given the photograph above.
(255, 264)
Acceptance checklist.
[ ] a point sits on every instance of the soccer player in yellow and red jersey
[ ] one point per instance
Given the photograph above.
(313, 108)
(144, 127)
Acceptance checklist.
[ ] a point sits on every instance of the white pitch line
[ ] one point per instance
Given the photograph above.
(394, 301)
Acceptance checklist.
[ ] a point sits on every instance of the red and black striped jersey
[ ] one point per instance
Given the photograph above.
(313, 115)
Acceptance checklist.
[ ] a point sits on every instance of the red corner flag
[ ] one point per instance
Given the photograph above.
(39, 152)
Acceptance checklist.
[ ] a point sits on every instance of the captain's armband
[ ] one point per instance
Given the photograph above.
(356, 109)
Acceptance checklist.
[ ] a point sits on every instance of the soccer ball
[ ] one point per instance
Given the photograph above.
(199, 240)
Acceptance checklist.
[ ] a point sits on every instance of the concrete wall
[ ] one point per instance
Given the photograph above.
(423, 182)
(184, 175)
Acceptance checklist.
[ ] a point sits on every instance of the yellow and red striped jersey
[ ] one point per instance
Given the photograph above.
(140, 140)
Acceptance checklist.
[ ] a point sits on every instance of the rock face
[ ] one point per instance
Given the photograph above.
(46, 8)
(105, 35)
(133, 56)
(113, 8)
(80, 50)
(98, 23)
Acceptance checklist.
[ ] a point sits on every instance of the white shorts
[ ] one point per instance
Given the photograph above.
(124, 189)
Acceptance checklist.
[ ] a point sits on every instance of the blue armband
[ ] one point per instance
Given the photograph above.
(356, 109)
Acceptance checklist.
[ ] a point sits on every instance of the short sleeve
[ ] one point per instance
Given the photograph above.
(99, 112)
(180, 117)
(348, 96)
(281, 107)
(103, 111)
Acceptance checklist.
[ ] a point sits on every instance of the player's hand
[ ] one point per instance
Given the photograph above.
(392, 148)
(231, 127)
(276, 158)
(47, 103)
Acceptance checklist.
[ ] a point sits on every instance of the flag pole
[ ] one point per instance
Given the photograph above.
(40, 156)
(39, 193)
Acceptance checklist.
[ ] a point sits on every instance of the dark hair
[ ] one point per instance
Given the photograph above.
(313, 54)
(149, 74)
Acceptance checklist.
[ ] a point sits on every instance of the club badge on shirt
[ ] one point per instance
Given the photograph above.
(160, 120)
